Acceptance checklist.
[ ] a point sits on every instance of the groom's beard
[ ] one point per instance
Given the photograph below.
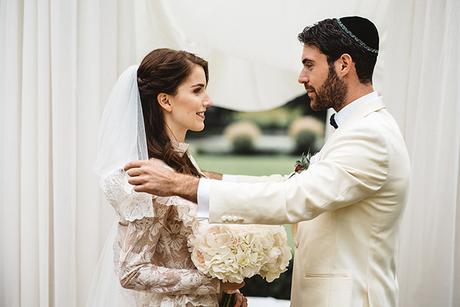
(331, 94)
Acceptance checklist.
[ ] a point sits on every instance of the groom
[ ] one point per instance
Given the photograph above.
(349, 201)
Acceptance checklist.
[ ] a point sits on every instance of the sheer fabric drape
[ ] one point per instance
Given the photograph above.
(59, 59)
(422, 89)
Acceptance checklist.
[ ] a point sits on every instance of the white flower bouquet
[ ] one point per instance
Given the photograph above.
(232, 252)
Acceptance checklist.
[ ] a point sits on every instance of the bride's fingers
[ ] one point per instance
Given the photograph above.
(245, 302)
(239, 300)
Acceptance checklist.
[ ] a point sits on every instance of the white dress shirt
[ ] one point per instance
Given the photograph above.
(204, 183)
(346, 111)
(203, 195)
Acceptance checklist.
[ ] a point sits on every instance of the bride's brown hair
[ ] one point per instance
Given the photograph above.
(163, 71)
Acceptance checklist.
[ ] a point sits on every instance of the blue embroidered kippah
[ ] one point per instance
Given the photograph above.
(361, 31)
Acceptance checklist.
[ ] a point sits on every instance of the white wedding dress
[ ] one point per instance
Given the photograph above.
(145, 262)
(150, 252)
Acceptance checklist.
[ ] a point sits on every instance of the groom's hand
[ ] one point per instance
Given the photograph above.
(157, 178)
(213, 175)
(150, 176)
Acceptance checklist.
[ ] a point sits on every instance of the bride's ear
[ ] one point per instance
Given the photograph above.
(164, 102)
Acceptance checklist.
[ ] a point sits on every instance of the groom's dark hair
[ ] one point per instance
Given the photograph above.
(355, 36)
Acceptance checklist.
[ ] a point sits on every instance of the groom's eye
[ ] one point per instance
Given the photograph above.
(308, 64)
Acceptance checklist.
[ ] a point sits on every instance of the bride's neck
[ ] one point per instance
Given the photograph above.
(174, 133)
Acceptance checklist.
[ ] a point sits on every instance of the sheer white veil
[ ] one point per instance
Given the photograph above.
(121, 139)
(105, 288)
(122, 132)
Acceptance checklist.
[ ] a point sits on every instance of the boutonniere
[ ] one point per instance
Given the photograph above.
(302, 164)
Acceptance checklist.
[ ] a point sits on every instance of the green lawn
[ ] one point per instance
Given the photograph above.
(249, 165)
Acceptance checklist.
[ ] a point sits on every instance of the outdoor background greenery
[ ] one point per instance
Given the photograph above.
(259, 165)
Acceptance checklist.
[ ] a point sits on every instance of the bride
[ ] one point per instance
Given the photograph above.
(148, 114)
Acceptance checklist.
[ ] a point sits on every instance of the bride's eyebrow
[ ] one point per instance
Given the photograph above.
(198, 85)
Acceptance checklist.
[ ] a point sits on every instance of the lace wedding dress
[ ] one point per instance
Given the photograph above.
(150, 249)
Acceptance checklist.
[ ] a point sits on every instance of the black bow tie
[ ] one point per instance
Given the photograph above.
(333, 122)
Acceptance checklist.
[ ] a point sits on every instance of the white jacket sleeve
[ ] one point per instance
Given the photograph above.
(352, 168)
(244, 178)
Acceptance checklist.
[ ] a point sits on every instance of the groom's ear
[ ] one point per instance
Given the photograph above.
(343, 64)
(164, 102)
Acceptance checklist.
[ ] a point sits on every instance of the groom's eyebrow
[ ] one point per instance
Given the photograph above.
(307, 60)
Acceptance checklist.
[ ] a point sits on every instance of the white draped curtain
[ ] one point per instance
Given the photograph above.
(422, 89)
(59, 59)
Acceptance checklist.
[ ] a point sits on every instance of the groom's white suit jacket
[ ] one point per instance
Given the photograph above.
(349, 203)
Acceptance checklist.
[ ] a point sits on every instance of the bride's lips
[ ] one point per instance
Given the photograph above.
(201, 115)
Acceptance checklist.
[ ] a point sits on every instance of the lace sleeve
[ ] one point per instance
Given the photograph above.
(128, 204)
(136, 268)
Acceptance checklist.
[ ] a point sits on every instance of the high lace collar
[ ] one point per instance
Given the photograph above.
(179, 147)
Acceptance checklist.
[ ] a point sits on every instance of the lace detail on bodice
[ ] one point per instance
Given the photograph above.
(152, 256)
(151, 252)
(186, 210)
(129, 204)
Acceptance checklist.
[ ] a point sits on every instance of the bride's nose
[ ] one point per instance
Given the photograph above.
(208, 102)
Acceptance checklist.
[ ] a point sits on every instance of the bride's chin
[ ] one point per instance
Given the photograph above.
(198, 129)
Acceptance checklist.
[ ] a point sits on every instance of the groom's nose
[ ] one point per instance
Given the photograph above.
(303, 77)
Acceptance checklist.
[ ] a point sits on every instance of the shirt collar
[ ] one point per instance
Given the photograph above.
(345, 112)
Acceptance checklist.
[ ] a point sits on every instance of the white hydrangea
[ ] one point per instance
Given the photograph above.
(232, 253)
